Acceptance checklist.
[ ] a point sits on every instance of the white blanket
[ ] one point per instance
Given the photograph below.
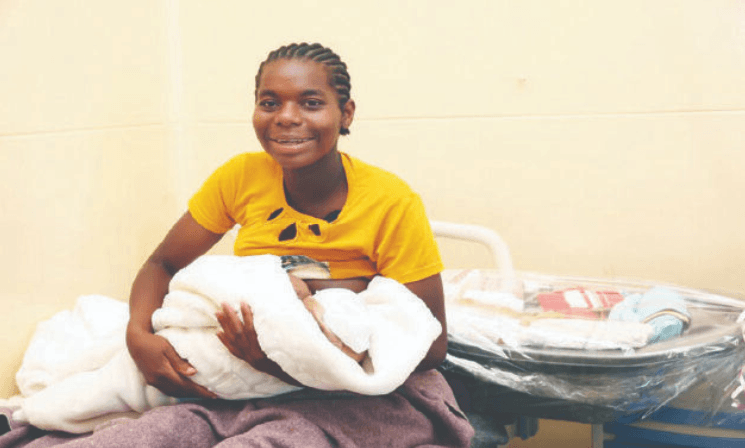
(108, 384)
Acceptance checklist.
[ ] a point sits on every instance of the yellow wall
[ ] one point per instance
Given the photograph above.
(600, 138)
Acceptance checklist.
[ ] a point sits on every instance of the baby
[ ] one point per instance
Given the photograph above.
(340, 315)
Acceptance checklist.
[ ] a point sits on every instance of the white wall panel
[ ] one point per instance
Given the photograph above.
(80, 65)
(652, 196)
(80, 210)
(482, 58)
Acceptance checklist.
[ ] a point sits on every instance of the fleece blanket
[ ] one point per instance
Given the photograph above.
(108, 385)
(421, 413)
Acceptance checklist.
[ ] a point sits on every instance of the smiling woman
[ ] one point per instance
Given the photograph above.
(301, 196)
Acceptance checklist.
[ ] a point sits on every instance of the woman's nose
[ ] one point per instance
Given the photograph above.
(288, 114)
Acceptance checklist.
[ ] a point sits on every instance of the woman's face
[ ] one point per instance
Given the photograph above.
(297, 116)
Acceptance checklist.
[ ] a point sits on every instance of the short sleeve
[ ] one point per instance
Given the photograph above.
(211, 205)
(406, 249)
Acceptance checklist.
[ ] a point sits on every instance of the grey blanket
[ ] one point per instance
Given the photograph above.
(421, 413)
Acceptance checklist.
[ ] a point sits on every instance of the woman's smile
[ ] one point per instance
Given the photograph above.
(282, 148)
(290, 140)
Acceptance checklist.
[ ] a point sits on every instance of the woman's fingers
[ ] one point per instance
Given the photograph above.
(179, 386)
(201, 391)
(232, 325)
(230, 329)
(179, 364)
(163, 368)
(229, 320)
(228, 343)
(172, 376)
(185, 386)
(239, 337)
(248, 317)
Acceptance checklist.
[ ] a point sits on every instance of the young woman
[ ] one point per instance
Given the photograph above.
(301, 196)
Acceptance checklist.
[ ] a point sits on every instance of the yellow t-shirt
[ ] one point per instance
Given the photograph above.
(382, 228)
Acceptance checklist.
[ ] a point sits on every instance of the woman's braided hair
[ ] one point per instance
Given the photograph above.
(337, 70)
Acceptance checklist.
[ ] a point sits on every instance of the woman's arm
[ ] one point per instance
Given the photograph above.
(241, 340)
(431, 292)
(154, 356)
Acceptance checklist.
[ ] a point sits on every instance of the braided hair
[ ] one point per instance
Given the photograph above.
(337, 70)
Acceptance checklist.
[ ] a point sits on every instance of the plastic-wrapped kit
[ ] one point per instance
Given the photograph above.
(574, 349)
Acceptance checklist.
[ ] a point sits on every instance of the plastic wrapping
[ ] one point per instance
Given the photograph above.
(512, 343)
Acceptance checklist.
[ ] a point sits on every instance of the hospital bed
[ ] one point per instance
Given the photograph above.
(504, 384)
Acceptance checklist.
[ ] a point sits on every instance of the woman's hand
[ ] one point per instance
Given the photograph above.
(241, 340)
(240, 337)
(162, 366)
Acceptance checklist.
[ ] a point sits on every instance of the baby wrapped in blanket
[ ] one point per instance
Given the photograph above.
(387, 326)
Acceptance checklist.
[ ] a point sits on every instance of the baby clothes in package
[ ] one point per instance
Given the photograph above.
(663, 309)
(562, 316)
(580, 302)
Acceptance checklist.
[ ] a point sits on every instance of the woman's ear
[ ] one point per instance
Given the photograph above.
(347, 114)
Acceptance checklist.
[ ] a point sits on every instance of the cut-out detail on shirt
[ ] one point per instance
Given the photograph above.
(275, 213)
(288, 233)
(331, 217)
(316, 229)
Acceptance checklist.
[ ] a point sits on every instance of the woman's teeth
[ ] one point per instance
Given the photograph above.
(294, 141)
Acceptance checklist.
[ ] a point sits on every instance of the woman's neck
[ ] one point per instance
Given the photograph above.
(318, 189)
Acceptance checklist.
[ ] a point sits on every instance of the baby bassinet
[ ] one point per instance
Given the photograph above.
(498, 375)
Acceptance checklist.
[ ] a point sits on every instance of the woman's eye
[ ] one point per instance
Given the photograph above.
(313, 103)
(268, 104)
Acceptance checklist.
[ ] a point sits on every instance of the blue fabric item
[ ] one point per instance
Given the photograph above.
(665, 310)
